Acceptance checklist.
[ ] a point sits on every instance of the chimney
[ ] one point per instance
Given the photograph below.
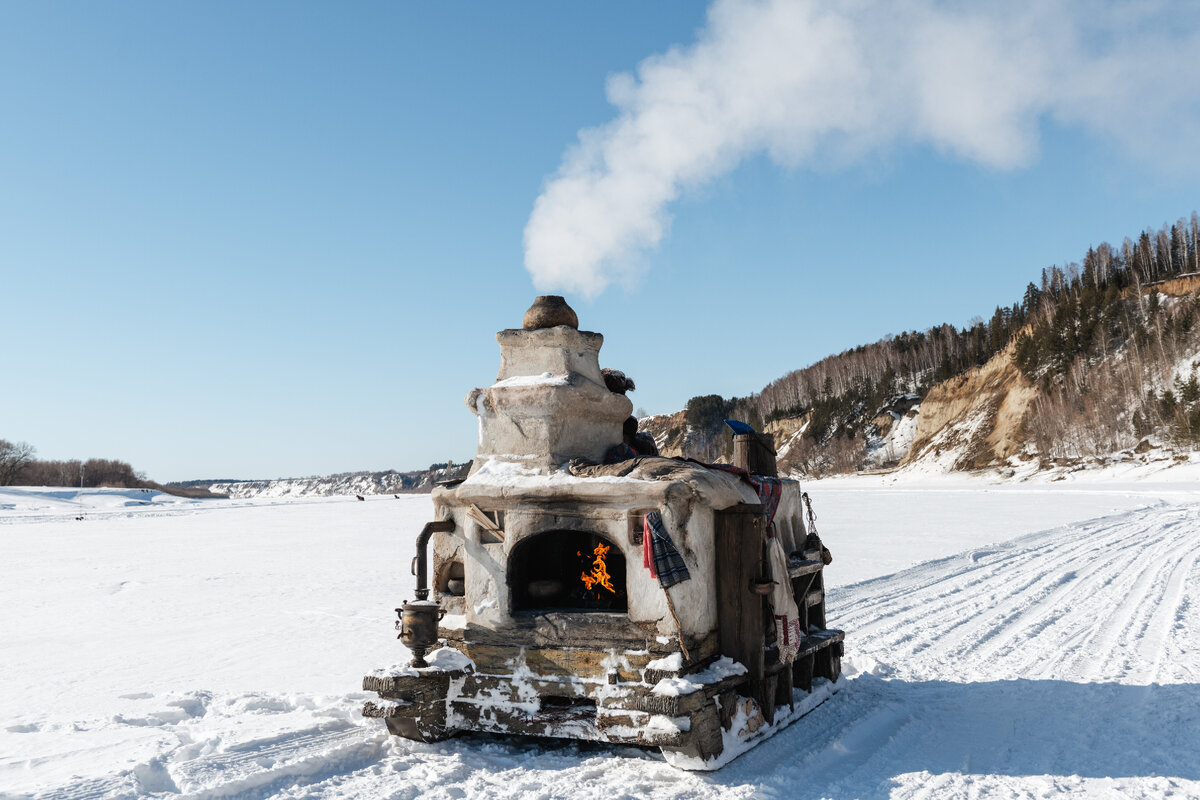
(549, 403)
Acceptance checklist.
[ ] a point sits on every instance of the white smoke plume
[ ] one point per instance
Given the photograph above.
(808, 82)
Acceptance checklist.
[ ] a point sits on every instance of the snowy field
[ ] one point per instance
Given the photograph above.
(1003, 641)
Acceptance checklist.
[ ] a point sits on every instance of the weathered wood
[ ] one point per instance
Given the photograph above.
(600, 630)
(783, 688)
(764, 692)
(739, 543)
(704, 739)
(755, 453)
(427, 725)
(816, 611)
(727, 702)
(671, 705)
(384, 709)
(740, 615)
(802, 672)
(806, 567)
(827, 664)
(820, 641)
(558, 662)
(800, 586)
(426, 686)
(503, 689)
(628, 727)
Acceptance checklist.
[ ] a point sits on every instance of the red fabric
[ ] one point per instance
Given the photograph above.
(648, 549)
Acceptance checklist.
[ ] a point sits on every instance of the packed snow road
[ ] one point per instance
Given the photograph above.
(204, 650)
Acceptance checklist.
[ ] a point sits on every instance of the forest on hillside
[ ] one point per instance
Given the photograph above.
(1090, 334)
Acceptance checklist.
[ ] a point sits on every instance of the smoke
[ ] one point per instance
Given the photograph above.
(818, 82)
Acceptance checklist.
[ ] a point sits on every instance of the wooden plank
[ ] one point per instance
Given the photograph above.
(596, 630)
(430, 685)
(739, 548)
(819, 641)
(553, 662)
(806, 567)
(623, 727)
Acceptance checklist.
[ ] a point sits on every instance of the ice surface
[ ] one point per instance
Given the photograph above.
(1027, 640)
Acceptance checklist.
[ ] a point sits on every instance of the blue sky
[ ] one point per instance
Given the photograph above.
(276, 239)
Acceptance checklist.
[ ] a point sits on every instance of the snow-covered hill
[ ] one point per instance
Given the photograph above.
(349, 483)
(1037, 641)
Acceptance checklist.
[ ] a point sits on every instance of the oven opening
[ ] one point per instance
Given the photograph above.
(567, 571)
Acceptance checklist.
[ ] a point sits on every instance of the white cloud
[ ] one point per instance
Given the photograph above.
(809, 80)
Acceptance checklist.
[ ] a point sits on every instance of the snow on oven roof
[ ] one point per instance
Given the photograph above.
(640, 479)
(544, 379)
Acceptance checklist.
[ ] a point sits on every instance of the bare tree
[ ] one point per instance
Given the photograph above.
(13, 459)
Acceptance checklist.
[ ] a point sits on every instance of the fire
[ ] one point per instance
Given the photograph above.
(599, 575)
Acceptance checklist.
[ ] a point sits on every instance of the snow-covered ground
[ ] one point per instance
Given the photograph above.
(1003, 640)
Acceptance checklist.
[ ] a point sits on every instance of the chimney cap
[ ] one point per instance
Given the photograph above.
(549, 311)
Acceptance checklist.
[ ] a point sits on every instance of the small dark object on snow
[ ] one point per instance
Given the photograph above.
(360, 497)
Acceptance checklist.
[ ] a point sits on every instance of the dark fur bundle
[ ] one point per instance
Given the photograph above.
(616, 381)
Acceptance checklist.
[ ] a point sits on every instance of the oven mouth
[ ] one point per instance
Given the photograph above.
(565, 570)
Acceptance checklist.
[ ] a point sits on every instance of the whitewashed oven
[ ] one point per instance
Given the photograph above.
(550, 623)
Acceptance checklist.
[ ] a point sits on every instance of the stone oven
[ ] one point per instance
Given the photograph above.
(536, 591)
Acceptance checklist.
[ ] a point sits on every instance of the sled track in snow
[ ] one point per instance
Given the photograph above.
(1104, 600)
(254, 768)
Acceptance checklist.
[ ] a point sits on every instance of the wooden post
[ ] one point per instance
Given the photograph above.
(755, 453)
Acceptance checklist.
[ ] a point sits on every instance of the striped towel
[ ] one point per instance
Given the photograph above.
(659, 554)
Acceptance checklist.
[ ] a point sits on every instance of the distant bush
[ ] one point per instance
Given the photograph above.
(91, 473)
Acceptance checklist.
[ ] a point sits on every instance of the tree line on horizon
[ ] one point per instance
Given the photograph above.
(19, 467)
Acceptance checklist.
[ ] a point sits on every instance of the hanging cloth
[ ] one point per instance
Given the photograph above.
(783, 605)
(665, 563)
(659, 554)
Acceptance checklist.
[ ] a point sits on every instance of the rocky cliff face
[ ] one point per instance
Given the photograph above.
(974, 419)
(677, 439)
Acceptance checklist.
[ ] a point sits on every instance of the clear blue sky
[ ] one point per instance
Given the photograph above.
(258, 240)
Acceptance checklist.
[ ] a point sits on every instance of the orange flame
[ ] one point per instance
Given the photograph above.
(599, 575)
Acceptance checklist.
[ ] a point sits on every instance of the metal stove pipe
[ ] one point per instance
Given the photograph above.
(420, 566)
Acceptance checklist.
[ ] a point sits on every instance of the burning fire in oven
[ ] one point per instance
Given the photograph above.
(599, 575)
(567, 570)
